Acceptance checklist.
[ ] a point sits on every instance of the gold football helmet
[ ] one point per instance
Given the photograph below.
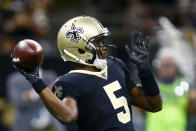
(75, 40)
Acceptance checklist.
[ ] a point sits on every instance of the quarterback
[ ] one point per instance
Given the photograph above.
(97, 93)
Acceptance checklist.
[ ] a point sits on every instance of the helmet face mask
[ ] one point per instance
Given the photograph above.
(79, 40)
(100, 48)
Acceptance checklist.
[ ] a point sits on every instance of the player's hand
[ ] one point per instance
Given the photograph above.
(31, 76)
(138, 50)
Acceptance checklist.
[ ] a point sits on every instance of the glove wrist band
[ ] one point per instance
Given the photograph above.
(39, 85)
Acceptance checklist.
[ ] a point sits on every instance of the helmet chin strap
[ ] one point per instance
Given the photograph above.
(98, 63)
(74, 57)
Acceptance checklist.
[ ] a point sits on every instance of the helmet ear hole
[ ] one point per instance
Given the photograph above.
(81, 51)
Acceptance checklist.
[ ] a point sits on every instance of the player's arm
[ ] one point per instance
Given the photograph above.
(140, 98)
(65, 111)
(147, 96)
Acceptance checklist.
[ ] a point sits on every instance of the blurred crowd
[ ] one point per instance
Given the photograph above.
(171, 25)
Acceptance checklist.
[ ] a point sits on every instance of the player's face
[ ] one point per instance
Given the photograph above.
(100, 48)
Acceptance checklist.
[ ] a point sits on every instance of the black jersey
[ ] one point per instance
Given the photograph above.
(103, 99)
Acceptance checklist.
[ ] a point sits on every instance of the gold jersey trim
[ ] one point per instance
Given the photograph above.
(103, 73)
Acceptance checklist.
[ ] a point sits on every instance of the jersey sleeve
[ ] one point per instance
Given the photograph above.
(129, 81)
(62, 90)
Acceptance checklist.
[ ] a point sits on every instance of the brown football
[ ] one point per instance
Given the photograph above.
(28, 54)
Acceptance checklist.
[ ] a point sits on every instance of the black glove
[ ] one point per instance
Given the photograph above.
(33, 77)
(138, 50)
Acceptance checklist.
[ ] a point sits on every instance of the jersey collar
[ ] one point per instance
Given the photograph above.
(102, 74)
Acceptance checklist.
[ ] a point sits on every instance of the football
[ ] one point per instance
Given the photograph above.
(28, 54)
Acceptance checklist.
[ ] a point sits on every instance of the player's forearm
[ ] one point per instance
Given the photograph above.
(140, 99)
(155, 103)
(63, 111)
(150, 89)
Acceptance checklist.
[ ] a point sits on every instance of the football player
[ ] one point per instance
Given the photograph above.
(98, 93)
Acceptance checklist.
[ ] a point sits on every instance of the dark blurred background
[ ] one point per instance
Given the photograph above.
(169, 23)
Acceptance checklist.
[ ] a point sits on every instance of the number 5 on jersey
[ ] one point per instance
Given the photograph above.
(118, 102)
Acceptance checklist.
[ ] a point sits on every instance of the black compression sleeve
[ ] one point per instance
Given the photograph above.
(39, 86)
(149, 84)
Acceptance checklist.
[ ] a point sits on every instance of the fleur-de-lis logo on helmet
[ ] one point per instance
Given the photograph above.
(74, 33)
